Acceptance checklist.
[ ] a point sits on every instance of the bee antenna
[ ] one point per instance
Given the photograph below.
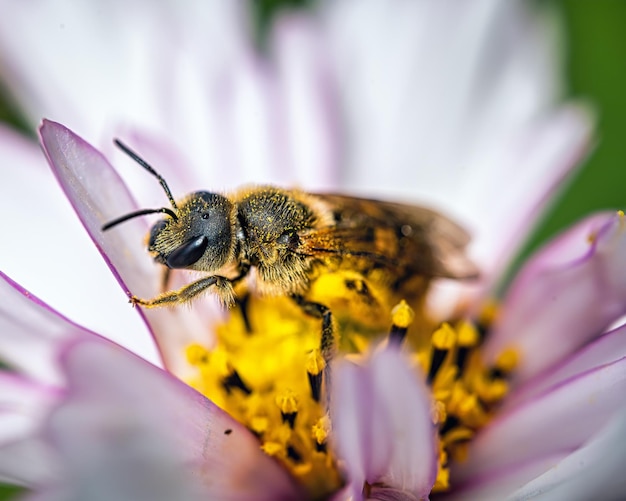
(149, 168)
(142, 212)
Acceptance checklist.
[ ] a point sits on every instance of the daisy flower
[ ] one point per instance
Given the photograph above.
(507, 404)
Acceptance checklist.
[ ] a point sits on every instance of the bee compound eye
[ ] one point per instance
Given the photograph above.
(188, 253)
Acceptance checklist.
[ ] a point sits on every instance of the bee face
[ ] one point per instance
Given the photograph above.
(202, 237)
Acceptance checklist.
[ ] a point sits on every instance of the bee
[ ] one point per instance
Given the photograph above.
(289, 239)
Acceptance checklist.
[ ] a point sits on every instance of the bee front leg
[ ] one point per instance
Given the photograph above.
(223, 288)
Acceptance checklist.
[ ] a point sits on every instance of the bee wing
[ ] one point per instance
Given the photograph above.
(404, 238)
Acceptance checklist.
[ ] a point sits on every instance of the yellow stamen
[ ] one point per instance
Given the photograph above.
(269, 373)
(444, 338)
(402, 315)
(508, 360)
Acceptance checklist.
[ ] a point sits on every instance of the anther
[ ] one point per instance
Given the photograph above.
(233, 380)
(468, 339)
(315, 365)
(321, 431)
(197, 354)
(443, 340)
(288, 405)
(402, 316)
(293, 454)
(507, 361)
(450, 423)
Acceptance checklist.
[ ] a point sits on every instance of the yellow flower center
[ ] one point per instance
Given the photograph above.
(266, 370)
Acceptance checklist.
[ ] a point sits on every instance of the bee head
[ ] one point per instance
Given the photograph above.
(198, 235)
(201, 237)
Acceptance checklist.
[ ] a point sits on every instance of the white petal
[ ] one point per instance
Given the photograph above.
(310, 126)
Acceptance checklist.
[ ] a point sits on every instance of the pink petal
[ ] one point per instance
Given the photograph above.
(595, 471)
(403, 392)
(32, 334)
(360, 424)
(383, 426)
(604, 350)
(47, 250)
(23, 404)
(166, 427)
(388, 494)
(500, 483)
(558, 421)
(559, 302)
(110, 394)
(25, 462)
(99, 195)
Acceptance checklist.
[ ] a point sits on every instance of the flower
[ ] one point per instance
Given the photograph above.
(328, 76)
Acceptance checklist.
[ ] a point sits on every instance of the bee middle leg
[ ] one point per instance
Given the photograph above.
(223, 288)
(328, 341)
(317, 310)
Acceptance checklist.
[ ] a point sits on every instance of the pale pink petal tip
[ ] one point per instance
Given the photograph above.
(383, 424)
(99, 195)
(566, 295)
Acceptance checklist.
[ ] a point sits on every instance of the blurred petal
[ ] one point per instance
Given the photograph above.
(558, 421)
(597, 467)
(137, 53)
(604, 350)
(310, 128)
(174, 439)
(360, 425)
(499, 483)
(98, 196)
(559, 302)
(383, 422)
(23, 404)
(403, 392)
(32, 334)
(388, 494)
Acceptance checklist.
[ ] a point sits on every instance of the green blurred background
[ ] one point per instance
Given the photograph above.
(596, 72)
